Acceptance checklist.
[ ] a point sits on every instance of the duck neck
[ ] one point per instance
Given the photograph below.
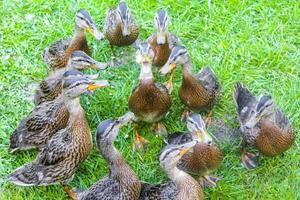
(146, 74)
(186, 184)
(114, 159)
(187, 68)
(78, 40)
(74, 107)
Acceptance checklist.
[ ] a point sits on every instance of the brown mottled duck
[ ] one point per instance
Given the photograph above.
(57, 54)
(44, 121)
(205, 157)
(162, 42)
(182, 186)
(263, 125)
(197, 92)
(61, 156)
(120, 27)
(50, 88)
(149, 101)
(121, 183)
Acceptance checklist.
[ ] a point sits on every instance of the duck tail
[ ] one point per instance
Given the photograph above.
(209, 76)
(27, 175)
(241, 96)
(18, 140)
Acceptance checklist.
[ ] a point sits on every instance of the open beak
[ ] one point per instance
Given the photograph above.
(94, 31)
(97, 84)
(99, 65)
(167, 67)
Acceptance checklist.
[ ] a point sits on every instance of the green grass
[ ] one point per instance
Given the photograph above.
(256, 42)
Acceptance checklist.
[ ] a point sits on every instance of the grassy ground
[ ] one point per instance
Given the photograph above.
(256, 42)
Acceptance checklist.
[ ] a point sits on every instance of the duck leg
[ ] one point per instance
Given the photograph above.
(70, 192)
(208, 119)
(209, 181)
(184, 114)
(249, 160)
(139, 143)
(169, 83)
(159, 128)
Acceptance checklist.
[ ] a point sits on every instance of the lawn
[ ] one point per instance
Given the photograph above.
(256, 42)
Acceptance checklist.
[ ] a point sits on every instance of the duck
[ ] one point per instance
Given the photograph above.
(50, 88)
(45, 120)
(198, 92)
(150, 101)
(182, 186)
(263, 125)
(120, 27)
(162, 42)
(57, 54)
(63, 153)
(122, 183)
(205, 156)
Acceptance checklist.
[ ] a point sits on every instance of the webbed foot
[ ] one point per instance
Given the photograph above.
(140, 143)
(159, 128)
(249, 160)
(70, 192)
(184, 114)
(208, 119)
(209, 181)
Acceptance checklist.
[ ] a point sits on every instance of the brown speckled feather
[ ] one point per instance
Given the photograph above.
(272, 140)
(162, 52)
(44, 121)
(149, 102)
(203, 160)
(48, 91)
(60, 157)
(197, 94)
(113, 30)
(57, 54)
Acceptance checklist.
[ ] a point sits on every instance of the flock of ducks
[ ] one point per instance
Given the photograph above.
(58, 127)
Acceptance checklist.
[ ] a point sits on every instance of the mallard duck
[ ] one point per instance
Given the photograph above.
(182, 186)
(205, 157)
(162, 42)
(45, 120)
(197, 92)
(65, 150)
(57, 54)
(262, 124)
(120, 28)
(50, 88)
(121, 183)
(149, 101)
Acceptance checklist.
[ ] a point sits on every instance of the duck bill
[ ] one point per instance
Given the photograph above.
(126, 118)
(95, 32)
(186, 147)
(167, 68)
(97, 84)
